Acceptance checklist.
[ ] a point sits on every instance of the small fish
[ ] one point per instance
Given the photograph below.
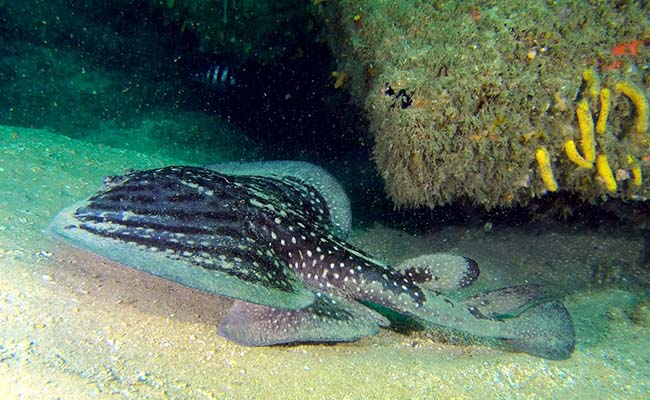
(216, 75)
(272, 236)
(214, 71)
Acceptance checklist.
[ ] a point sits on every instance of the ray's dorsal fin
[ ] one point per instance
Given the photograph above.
(328, 319)
(440, 271)
(313, 176)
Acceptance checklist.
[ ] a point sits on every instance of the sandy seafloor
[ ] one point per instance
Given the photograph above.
(75, 326)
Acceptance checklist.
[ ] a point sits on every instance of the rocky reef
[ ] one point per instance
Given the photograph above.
(496, 103)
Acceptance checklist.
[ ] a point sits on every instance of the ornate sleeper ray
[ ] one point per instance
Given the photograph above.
(272, 236)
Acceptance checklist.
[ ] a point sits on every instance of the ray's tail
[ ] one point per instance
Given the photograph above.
(521, 316)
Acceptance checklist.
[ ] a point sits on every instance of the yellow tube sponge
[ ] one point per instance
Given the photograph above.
(605, 103)
(605, 172)
(635, 167)
(586, 125)
(544, 162)
(636, 95)
(341, 77)
(592, 81)
(574, 156)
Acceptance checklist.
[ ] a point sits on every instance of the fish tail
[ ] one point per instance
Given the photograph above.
(545, 330)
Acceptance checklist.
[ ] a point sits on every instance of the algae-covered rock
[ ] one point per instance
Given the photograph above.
(461, 96)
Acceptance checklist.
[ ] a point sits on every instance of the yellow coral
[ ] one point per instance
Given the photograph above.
(544, 162)
(592, 81)
(605, 172)
(586, 125)
(635, 94)
(635, 167)
(605, 103)
(588, 128)
(341, 78)
(574, 156)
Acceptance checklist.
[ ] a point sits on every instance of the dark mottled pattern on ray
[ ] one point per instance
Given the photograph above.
(215, 217)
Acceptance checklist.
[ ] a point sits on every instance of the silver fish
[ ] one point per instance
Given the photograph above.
(272, 236)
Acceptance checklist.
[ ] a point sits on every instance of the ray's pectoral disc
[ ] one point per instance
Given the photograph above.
(193, 226)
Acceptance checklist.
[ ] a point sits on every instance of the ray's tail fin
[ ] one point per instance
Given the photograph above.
(539, 327)
(545, 330)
